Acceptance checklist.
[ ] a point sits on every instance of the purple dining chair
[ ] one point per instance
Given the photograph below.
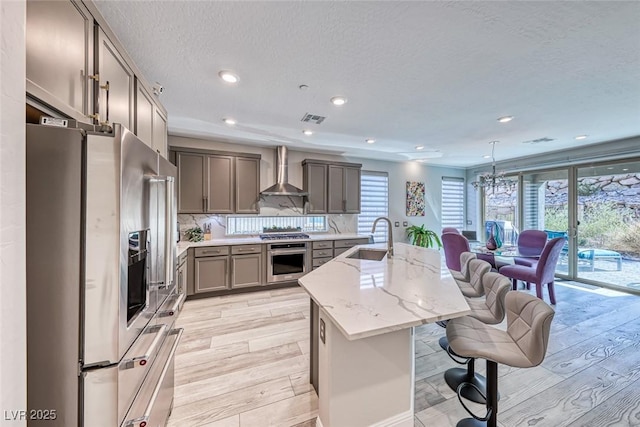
(531, 243)
(450, 230)
(540, 274)
(454, 244)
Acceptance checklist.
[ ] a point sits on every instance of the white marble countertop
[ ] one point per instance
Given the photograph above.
(250, 240)
(366, 298)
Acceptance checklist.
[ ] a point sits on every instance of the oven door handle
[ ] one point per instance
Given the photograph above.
(287, 251)
(144, 419)
(134, 362)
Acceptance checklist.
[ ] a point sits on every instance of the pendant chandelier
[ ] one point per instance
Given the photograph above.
(492, 180)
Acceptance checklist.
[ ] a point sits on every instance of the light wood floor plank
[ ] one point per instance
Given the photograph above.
(622, 409)
(286, 412)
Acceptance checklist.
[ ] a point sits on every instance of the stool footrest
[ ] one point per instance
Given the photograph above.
(459, 391)
(444, 343)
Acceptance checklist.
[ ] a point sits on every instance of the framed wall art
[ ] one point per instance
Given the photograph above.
(415, 198)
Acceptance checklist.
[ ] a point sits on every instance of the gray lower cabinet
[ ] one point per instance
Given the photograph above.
(247, 265)
(182, 274)
(59, 56)
(322, 253)
(211, 267)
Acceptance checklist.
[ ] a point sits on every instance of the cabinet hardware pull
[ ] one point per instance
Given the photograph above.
(93, 116)
(95, 77)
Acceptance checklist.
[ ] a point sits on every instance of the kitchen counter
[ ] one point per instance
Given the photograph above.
(253, 239)
(363, 314)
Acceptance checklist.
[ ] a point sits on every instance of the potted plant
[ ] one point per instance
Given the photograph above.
(194, 234)
(420, 236)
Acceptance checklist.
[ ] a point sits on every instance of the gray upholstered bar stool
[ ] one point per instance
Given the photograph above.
(477, 269)
(464, 273)
(490, 311)
(522, 345)
(469, 279)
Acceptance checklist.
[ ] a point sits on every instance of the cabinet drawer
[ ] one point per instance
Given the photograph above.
(320, 253)
(323, 244)
(212, 251)
(246, 249)
(317, 262)
(350, 243)
(338, 251)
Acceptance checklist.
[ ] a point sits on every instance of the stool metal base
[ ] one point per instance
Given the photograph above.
(471, 422)
(456, 376)
(444, 343)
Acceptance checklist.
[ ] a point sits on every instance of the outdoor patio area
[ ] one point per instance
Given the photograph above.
(606, 270)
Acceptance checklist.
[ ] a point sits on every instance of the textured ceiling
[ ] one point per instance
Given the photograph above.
(437, 74)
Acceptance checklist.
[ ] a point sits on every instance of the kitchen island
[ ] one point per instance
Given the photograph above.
(363, 313)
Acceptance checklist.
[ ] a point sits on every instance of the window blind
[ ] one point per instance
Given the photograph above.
(374, 203)
(453, 202)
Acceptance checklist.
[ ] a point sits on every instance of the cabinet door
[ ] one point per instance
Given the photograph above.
(315, 183)
(246, 270)
(247, 185)
(190, 182)
(335, 189)
(181, 278)
(219, 184)
(211, 274)
(352, 190)
(144, 115)
(160, 132)
(115, 93)
(59, 45)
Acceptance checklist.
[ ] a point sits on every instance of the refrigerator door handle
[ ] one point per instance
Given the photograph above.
(170, 216)
(144, 419)
(142, 360)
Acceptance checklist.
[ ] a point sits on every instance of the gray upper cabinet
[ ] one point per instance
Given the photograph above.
(115, 85)
(159, 131)
(217, 183)
(333, 187)
(191, 169)
(218, 191)
(144, 115)
(247, 185)
(314, 176)
(59, 56)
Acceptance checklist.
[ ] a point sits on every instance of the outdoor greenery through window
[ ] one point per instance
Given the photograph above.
(453, 202)
(374, 200)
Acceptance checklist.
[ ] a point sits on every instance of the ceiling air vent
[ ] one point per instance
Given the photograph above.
(538, 141)
(312, 118)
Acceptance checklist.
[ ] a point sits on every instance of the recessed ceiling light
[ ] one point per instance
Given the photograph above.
(625, 169)
(338, 100)
(229, 121)
(307, 132)
(419, 147)
(369, 140)
(579, 137)
(486, 156)
(229, 76)
(420, 160)
(505, 119)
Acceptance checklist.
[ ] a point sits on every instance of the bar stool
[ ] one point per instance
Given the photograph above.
(464, 274)
(522, 345)
(491, 311)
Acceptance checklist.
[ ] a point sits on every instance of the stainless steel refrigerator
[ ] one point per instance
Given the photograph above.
(101, 294)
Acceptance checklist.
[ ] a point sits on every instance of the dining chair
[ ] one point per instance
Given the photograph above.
(454, 244)
(450, 230)
(530, 242)
(540, 274)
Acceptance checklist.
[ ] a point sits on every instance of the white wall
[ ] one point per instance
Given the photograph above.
(399, 174)
(12, 209)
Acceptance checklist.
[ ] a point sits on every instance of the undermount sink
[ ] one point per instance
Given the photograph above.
(369, 254)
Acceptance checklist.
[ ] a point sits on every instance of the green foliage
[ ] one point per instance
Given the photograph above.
(585, 189)
(194, 234)
(420, 236)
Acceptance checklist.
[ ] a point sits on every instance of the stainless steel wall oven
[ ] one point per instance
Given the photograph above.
(287, 261)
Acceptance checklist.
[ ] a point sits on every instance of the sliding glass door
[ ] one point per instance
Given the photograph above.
(608, 232)
(545, 206)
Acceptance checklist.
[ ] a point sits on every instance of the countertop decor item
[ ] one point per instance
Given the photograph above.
(194, 234)
(422, 237)
(494, 241)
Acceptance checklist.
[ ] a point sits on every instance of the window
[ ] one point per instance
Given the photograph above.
(453, 202)
(374, 203)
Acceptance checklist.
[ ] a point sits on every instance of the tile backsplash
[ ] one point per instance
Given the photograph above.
(269, 206)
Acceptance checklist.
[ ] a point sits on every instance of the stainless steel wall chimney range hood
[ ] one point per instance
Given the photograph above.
(282, 186)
